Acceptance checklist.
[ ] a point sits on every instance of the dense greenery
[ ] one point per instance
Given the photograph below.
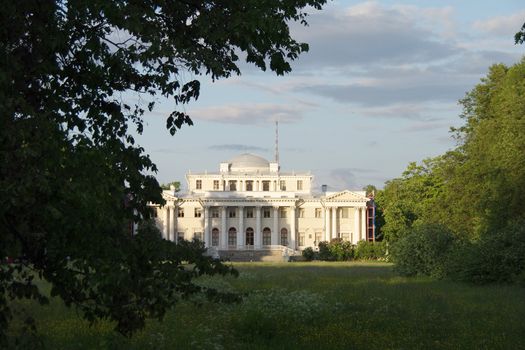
(474, 191)
(314, 306)
(75, 77)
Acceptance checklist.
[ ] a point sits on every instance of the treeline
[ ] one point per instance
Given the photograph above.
(462, 214)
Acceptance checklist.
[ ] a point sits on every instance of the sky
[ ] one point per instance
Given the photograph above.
(378, 89)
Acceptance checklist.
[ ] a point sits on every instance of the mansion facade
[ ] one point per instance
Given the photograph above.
(251, 204)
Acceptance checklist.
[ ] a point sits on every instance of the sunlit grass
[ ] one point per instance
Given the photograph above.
(313, 306)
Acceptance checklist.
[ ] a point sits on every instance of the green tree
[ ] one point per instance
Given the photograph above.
(409, 200)
(175, 184)
(72, 178)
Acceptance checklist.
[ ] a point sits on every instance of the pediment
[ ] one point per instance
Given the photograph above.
(346, 196)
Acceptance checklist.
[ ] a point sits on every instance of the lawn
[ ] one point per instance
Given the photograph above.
(313, 306)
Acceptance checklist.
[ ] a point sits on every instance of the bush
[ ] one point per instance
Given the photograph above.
(496, 257)
(324, 251)
(423, 251)
(336, 250)
(370, 250)
(308, 254)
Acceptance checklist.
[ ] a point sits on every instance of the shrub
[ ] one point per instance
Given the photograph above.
(336, 249)
(324, 251)
(496, 257)
(370, 250)
(308, 254)
(423, 251)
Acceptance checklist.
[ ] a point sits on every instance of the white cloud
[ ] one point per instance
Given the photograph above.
(501, 25)
(249, 113)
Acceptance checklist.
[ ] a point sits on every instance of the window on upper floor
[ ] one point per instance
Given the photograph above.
(266, 186)
(249, 185)
(299, 185)
(344, 213)
(282, 185)
(318, 213)
(197, 212)
(215, 185)
(180, 213)
(249, 213)
(231, 213)
(233, 185)
(266, 213)
(301, 212)
(198, 184)
(215, 213)
(283, 212)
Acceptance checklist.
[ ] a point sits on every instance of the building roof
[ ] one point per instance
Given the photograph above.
(248, 162)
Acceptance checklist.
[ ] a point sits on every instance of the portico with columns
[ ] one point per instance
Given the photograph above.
(251, 204)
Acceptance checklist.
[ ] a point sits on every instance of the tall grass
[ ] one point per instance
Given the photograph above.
(315, 306)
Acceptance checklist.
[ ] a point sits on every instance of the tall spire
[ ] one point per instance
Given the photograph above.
(277, 141)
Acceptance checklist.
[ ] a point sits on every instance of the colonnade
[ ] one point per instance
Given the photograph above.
(330, 217)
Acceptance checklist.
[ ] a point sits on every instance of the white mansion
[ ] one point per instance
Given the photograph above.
(250, 204)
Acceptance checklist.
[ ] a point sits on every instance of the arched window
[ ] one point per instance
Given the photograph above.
(215, 237)
(267, 236)
(284, 237)
(249, 236)
(232, 236)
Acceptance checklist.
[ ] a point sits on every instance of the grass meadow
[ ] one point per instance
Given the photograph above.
(316, 305)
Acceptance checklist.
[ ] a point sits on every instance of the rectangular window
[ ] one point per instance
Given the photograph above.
(180, 236)
(215, 213)
(283, 212)
(301, 212)
(198, 184)
(344, 213)
(318, 238)
(231, 213)
(345, 236)
(318, 213)
(249, 185)
(299, 185)
(301, 239)
(249, 213)
(233, 185)
(215, 185)
(266, 213)
(180, 213)
(198, 212)
(266, 186)
(197, 236)
(282, 185)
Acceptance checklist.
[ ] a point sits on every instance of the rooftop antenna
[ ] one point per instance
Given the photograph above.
(277, 141)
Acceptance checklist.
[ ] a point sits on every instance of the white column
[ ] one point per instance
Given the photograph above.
(173, 225)
(334, 223)
(166, 222)
(357, 236)
(224, 233)
(207, 227)
(258, 233)
(275, 225)
(363, 223)
(240, 231)
(327, 234)
(292, 244)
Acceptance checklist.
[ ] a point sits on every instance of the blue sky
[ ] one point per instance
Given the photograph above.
(378, 89)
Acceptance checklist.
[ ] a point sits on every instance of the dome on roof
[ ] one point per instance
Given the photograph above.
(248, 162)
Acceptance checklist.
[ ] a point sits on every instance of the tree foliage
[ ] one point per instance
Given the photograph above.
(474, 191)
(75, 76)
